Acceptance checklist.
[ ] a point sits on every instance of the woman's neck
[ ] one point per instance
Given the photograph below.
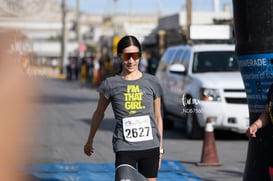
(131, 75)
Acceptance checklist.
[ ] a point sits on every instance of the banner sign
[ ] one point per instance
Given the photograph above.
(257, 73)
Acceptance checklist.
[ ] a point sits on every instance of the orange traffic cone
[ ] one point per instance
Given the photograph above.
(209, 154)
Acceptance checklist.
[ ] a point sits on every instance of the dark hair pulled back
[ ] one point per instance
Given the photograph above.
(127, 41)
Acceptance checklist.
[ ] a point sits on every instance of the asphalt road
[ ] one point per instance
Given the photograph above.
(63, 110)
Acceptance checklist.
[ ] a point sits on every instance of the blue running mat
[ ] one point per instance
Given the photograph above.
(170, 170)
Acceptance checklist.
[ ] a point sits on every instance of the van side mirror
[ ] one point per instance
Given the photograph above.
(177, 69)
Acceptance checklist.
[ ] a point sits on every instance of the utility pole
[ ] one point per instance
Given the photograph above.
(189, 18)
(115, 18)
(64, 37)
(78, 28)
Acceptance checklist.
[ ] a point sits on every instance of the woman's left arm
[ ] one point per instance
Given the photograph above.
(158, 119)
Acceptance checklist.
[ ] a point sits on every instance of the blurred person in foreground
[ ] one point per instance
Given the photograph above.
(135, 99)
(264, 119)
(14, 109)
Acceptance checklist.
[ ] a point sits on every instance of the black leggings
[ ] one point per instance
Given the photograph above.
(146, 161)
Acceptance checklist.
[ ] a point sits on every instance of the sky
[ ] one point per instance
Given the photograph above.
(143, 6)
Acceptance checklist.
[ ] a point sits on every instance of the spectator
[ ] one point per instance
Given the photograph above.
(152, 63)
(96, 70)
(143, 63)
(264, 119)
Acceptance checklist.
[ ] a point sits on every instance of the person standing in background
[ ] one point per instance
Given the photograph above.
(143, 63)
(152, 63)
(96, 70)
(264, 119)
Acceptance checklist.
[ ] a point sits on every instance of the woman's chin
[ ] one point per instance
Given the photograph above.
(131, 69)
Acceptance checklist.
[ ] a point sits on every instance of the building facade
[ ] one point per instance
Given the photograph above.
(42, 25)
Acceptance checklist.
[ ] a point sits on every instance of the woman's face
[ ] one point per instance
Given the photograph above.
(130, 58)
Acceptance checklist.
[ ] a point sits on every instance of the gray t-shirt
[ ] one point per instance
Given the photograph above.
(131, 101)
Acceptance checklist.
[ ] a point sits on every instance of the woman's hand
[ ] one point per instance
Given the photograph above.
(88, 149)
(251, 131)
(161, 153)
(160, 160)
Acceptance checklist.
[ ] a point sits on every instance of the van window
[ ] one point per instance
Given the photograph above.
(168, 55)
(186, 57)
(219, 61)
(166, 59)
(178, 56)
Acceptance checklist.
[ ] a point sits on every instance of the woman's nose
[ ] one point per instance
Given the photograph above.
(130, 59)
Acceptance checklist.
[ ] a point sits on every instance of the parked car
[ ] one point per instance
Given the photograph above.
(201, 83)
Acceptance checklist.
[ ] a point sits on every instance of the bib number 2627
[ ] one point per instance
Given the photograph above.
(137, 128)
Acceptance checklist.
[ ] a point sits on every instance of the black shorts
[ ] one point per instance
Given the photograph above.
(146, 161)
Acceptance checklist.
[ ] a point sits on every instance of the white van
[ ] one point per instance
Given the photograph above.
(203, 83)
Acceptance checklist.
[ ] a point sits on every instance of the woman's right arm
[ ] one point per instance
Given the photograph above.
(95, 122)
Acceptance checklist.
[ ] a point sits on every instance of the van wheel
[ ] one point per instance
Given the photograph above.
(193, 129)
(167, 123)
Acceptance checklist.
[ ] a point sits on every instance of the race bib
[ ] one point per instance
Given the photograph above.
(137, 128)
